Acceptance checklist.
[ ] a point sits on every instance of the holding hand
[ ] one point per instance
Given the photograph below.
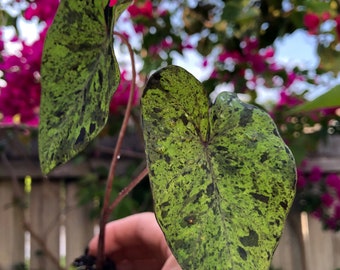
(136, 242)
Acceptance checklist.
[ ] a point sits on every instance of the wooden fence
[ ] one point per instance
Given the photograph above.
(58, 225)
(304, 245)
(53, 216)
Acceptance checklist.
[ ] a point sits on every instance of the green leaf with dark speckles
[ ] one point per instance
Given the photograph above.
(79, 76)
(222, 178)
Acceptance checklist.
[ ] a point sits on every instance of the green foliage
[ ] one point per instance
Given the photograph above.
(92, 190)
(329, 59)
(79, 76)
(20, 266)
(222, 179)
(331, 99)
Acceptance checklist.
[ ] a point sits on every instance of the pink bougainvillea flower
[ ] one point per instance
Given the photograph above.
(154, 49)
(146, 10)
(20, 97)
(141, 10)
(337, 212)
(139, 28)
(186, 45)
(257, 62)
(112, 3)
(288, 100)
(250, 45)
(214, 74)
(6, 121)
(317, 213)
(329, 111)
(2, 43)
(30, 12)
(166, 43)
(331, 223)
(268, 52)
(44, 10)
(327, 199)
(333, 181)
(292, 77)
(121, 96)
(337, 26)
(234, 55)
(325, 16)
(311, 22)
(301, 180)
(315, 174)
(163, 13)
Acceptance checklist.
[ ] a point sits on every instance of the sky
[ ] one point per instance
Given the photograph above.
(297, 49)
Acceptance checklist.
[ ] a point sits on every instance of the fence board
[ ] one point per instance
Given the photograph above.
(79, 228)
(45, 217)
(282, 255)
(11, 229)
(289, 253)
(336, 250)
(321, 246)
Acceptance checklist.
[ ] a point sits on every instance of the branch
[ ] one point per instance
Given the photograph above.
(43, 246)
(128, 188)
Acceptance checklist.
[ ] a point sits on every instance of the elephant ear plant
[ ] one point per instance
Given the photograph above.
(222, 178)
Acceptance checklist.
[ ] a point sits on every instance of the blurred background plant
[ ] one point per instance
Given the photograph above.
(230, 45)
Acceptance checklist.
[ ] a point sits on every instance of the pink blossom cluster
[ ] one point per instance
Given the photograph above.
(249, 55)
(44, 10)
(312, 22)
(145, 16)
(286, 100)
(259, 61)
(2, 43)
(144, 9)
(20, 97)
(122, 94)
(324, 190)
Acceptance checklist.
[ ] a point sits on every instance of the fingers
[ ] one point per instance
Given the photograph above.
(137, 236)
(170, 264)
(150, 264)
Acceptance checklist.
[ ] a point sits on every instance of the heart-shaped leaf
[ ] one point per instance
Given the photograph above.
(222, 178)
(79, 76)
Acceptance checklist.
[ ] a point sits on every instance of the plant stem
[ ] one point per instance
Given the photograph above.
(128, 188)
(106, 211)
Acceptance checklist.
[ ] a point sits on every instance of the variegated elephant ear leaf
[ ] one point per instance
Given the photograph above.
(79, 75)
(222, 178)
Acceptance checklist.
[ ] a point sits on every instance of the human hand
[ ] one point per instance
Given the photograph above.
(136, 242)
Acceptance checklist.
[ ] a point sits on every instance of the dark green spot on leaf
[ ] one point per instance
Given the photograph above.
(242, 253)
(252, 240)
(260, 197)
